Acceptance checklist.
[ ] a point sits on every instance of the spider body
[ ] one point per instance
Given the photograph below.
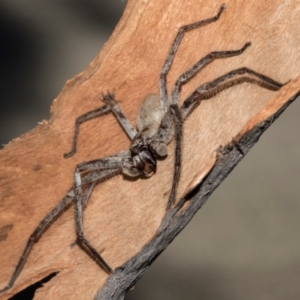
(146, 147)
(159, 121)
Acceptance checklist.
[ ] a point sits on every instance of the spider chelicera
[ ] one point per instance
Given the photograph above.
(160, 119)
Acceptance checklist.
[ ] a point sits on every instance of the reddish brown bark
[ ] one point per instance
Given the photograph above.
(122, 216)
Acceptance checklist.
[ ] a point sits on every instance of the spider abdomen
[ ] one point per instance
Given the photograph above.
(149, 116)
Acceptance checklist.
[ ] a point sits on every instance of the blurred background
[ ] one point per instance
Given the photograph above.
(245, 242)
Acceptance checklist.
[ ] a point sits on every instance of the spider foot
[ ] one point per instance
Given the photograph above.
(5, 289)
(69, 154)
(109, 98)
(223, 6)
(248, 44)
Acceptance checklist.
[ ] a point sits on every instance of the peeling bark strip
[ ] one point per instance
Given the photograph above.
(126, 276)
(122, 216)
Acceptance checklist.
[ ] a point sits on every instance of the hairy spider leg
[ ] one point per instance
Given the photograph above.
(201, 64)
(112, 106)
(177, 162)
(207, 91)
(89, 181)
(167, 65)
(101, 111)
(214, 87)
(109, 99)
(185, 77)
(87, 173)
(34, 237)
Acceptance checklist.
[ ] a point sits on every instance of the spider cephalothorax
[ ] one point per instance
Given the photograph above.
(159, 121)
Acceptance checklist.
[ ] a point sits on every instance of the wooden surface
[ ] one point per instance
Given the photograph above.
(123, 215)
